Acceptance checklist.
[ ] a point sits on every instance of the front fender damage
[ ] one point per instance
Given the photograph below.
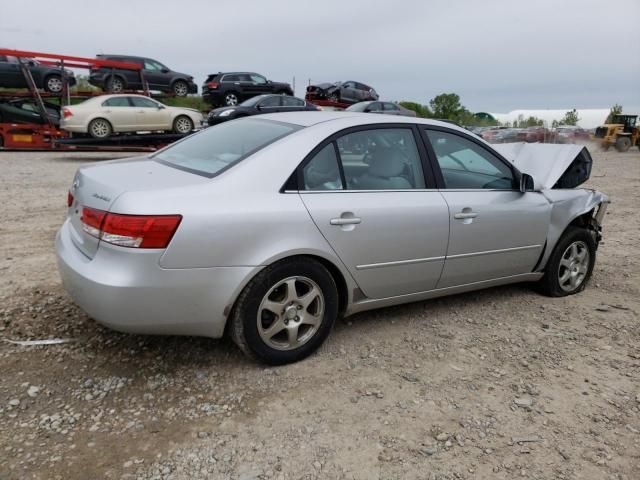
(569, 206)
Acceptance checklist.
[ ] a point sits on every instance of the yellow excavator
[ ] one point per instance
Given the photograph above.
(623, 132)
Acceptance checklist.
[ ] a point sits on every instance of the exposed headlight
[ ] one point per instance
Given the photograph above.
(226, 113)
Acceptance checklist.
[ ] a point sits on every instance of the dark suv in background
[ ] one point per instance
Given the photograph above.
(158, 77)
(231, 88)
(44, 76)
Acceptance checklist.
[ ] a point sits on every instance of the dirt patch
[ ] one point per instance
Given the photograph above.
(501, 383)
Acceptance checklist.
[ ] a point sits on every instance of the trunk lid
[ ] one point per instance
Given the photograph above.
(99, 186)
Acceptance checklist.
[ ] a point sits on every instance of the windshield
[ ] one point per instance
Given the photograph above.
(217, 148)
(252, 101)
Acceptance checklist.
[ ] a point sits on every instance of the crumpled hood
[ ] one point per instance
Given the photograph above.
(550, 165)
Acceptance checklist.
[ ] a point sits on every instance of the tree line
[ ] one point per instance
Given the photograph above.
(447, 106)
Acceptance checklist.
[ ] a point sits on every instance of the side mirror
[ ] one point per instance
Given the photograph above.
(526, 183)
(367, 110)
(161, 107)
(165, 70)
(259, 107)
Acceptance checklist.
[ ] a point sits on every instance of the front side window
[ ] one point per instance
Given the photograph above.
(217, 148)
(467, 165)
(388, 106)
(153, 65)
(117, 102)
(258, 79)
(323, 172)
(141, 102)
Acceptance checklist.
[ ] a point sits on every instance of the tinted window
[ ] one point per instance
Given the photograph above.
(270, 102)
(141, 102)
(388, 106)
(217, 148)
(3, 58)
(358, 107)
(375, 107)
(322, 172)
(231, 78)
(349, 85)
(292, 101)
(117, 102)
(467, 165)
(381, 159)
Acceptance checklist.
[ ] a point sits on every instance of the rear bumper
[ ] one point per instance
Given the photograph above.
(127, 290)
(212, 97)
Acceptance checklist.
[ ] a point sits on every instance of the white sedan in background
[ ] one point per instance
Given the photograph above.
(102, 116)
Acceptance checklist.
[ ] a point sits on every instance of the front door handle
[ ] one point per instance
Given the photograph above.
(345, 221)
(463, 215)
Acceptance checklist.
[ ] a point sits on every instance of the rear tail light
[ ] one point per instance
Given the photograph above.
(135, 231)
(213, 84)
(69, 199)
(66, 113)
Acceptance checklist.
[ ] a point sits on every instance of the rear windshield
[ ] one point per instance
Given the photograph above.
(219, 147)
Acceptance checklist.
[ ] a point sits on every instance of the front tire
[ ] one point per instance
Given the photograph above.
(100, 128)
(182, 124)
(623, 144)
(571, 263)
(334, 97)
(285, 312)
(180, 88)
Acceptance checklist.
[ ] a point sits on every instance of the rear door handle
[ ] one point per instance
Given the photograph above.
(345, 221)
(462, 216)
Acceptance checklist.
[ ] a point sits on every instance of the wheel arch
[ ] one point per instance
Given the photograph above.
(335, 271)
(577, 212)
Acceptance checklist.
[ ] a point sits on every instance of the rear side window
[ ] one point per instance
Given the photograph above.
(292, 101)
(218, 148)
(323, 172)
(117, 102)
(270, 102)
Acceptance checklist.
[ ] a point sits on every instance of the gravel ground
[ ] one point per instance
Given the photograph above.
(502, 383)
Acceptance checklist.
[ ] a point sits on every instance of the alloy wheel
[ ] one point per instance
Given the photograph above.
(290, 313)
(183, 125)
(54, 84)
(574, 266)
(231, 99)
(100, 128)
(115, 85)
(180, 89)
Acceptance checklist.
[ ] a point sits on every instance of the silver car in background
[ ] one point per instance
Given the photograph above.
(269, 228)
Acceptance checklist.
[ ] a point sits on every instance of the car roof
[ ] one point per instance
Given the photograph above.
(308, 119)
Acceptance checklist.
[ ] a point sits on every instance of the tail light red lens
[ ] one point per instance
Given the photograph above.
(213, 84)
(135, 231)
(69, 199)
(66, 113)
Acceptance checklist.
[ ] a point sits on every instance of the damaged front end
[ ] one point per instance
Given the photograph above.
(557, 170)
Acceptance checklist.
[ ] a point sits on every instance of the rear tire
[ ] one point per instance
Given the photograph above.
(1, 142)
(285, 312)
(115, 85)
(100, 128)
(182, 124)
(571, 263)
(180, 88)
(231, 99)
(623, 144)
(53, 84)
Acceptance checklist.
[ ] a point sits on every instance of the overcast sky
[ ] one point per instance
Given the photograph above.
(497, 55)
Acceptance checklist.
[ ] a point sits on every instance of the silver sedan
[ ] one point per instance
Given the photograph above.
(271, 228)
